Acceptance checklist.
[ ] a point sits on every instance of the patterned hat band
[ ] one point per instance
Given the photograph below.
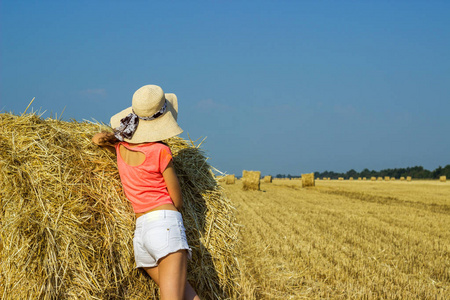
(129, 124)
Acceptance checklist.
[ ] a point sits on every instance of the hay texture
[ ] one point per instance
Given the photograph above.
(308, 180)
(230, 179)
(268, 179)
(67, 229)
(250, 180)
(443, 178)
(408, 178)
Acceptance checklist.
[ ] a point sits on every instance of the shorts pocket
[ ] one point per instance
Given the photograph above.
(157, 238)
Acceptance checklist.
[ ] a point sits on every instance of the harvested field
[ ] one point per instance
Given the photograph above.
(345, 240)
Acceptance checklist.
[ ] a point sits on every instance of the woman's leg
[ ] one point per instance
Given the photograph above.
(170, 276)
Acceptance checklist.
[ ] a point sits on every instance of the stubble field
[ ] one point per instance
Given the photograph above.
(344, 240)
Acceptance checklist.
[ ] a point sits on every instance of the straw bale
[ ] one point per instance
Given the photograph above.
(251, 180)
(351, 179)
(67, 228)
(308, 180)
(359, 178)
(408, 178)
(392, 178)
(380, 178)
(364, 178)
(268, 179)
(402, 178)
(443, 178)
(341, 178)
(373, 178)
(230, 179)
(386, 178)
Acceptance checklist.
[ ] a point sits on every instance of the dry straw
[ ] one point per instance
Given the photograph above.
(402, 178)
(373, 178)
(408, 178)
(308, 180)
(443, 178)
(341, 178)
(268, 179)
(351, 179)
(250, 180)
(67, 228)
(386, 178)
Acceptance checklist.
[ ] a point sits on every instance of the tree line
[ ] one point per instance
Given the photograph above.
(418, 172)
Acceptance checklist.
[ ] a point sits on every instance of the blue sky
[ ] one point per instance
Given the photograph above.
(284, 87)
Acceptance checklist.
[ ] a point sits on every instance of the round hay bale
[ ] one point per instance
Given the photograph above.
(386, 178)
(67, 227)
(408, 178)
(268, 179)
(230, 179)
(443, 178)
(251, 180)
(308, 180)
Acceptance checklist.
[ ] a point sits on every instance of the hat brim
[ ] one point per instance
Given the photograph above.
(161, 128)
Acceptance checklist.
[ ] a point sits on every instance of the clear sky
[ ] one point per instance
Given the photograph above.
(284, 87)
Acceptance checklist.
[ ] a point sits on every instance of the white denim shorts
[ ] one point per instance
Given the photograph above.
(158, 233)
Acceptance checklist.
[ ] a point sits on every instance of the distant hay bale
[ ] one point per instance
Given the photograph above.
(373, 178)
(351, 179)
(268, 179)
(402, 178)
(408, 178)
(380, 178)
(251, 180)
(364, 178)
(324, 178)
(230, 179)
(443, 178)
(341, 178)
(359, 178)
(392, 178)
(308, 180)
(67, 228)
(386, 178)
(329, 178)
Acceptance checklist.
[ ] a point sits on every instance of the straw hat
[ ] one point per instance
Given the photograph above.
(155, 114)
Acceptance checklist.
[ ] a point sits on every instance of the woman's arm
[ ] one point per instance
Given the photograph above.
(173, 186)
(106, 140)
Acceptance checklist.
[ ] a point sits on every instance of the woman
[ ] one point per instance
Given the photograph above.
(151, 185)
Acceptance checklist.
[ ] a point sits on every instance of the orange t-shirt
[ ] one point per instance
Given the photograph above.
(144, 184)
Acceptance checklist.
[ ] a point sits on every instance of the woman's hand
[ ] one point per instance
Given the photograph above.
(173, 186)
(106, 140)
